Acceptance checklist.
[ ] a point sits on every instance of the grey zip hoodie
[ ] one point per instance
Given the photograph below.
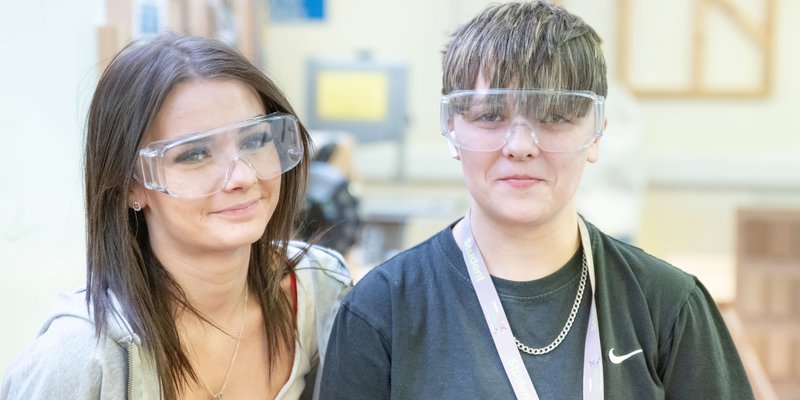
(68, 361)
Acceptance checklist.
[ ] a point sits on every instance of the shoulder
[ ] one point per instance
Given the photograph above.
(634, 282)
(67, 360)
(419, 262)
(323, 281)
(623, 262)
(320, 263)
(404, 267)
(405, 280)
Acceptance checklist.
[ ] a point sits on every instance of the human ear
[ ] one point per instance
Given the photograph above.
(593, 153)
(137, 198)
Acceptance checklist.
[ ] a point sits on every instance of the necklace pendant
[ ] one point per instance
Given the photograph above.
(217, 397)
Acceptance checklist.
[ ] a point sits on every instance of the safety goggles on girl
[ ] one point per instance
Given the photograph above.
(557, 121)
(200, 164)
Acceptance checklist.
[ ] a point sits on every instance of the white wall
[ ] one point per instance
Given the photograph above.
(47, 75)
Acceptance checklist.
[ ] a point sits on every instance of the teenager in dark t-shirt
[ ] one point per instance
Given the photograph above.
(522, 298)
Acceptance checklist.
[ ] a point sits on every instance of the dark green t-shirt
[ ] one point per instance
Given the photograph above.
(412, 329)
(537, 311)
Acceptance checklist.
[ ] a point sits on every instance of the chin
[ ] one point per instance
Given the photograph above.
(229, 243)
(523, 210)
(525, 219)
(240, 235)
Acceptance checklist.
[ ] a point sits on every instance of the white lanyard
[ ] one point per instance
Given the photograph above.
(501, 333)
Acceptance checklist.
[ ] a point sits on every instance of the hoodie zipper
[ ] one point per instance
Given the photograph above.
(130, 369)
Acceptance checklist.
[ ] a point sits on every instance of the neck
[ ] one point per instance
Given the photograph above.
(213, 283)
(524, 252)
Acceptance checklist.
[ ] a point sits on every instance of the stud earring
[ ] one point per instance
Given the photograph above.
(136, 206)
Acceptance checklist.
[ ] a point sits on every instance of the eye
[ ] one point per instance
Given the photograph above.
(193, 155)
(255, 141)
(490, 117)
(554, 119)
(487, 116)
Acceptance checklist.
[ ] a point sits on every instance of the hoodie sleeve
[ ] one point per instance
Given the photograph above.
(324, 280)
(64, 362)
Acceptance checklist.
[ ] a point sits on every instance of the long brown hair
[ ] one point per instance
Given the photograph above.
(119, 255)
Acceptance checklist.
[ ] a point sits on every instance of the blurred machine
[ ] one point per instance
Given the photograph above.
(355, 101)
(330, 215)
(362, 96)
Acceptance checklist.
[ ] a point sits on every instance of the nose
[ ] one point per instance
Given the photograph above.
(240, 174)
(520, 142)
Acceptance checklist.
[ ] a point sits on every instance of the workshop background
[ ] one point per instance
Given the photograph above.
(700, 164)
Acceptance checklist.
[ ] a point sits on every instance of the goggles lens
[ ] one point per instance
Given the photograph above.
(200, 164)
(557, 121)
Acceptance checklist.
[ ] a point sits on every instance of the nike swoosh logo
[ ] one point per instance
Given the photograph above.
(615, 359)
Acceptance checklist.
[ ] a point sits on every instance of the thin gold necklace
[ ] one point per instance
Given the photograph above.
(218, 396)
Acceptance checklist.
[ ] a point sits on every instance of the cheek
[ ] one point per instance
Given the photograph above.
(478, 172)
(271, 190)
(472, 170)
(568, 168)
(179, 212)
(476, 164)
(167, 220)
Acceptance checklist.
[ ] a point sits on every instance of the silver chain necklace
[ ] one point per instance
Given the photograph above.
(572, 314)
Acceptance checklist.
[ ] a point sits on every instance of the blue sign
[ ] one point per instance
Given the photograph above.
(148, 19)
(297, 10)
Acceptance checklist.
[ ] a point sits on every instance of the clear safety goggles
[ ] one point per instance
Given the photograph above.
(556, 121)
(200, 164)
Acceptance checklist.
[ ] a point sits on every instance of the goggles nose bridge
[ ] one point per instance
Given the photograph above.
(232, 166)
(526, 128)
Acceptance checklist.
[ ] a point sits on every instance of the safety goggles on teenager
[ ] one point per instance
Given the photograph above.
(556, 121)
(200, 164)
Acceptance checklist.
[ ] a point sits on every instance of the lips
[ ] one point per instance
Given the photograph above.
(520, 180)
(518, 177)
(240, 208)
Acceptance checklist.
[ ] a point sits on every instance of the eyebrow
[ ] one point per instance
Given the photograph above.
(252, 127)
(221, 128)
(198, 141)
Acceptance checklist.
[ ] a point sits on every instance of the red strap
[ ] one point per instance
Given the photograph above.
(294, 293)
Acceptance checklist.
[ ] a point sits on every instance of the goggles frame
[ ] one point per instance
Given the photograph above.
(149, 169)
(597, 101)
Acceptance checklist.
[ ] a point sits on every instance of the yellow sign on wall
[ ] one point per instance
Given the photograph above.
(352, 95)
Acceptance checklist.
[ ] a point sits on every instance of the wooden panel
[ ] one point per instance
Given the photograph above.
(772, 235)
(760, 33)
(779, 357)
(750, 295)
(202, 18)
(768, 288)
(780, 298)
(750, 350)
